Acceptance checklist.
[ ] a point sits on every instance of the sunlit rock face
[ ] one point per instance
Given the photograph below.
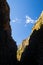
(33, 53)
(38, 23)
(8, 47)
(21, 48)
(25, 42)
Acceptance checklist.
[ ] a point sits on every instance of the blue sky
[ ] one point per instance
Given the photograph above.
(23, 14)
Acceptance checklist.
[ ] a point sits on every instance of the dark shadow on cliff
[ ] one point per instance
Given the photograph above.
(8, 47)
(33, 54)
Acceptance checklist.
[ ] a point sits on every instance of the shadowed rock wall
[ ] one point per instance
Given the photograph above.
(8, 47)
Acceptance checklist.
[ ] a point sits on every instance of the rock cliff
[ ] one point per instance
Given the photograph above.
(33, 53)
(21, 48)
(8, 47)
(31, 50)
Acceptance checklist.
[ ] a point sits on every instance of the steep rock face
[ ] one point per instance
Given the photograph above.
(38, 23)
(21, 48)
(8, 47)
(5, 16)
(33, 53)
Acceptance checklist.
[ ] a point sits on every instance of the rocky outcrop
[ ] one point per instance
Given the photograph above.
(21, 48)
(38, 23)
(33, 53)
(8, 47)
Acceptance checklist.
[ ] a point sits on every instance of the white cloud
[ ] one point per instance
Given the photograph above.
(15, 20)
(26, 20)
(29, 20)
